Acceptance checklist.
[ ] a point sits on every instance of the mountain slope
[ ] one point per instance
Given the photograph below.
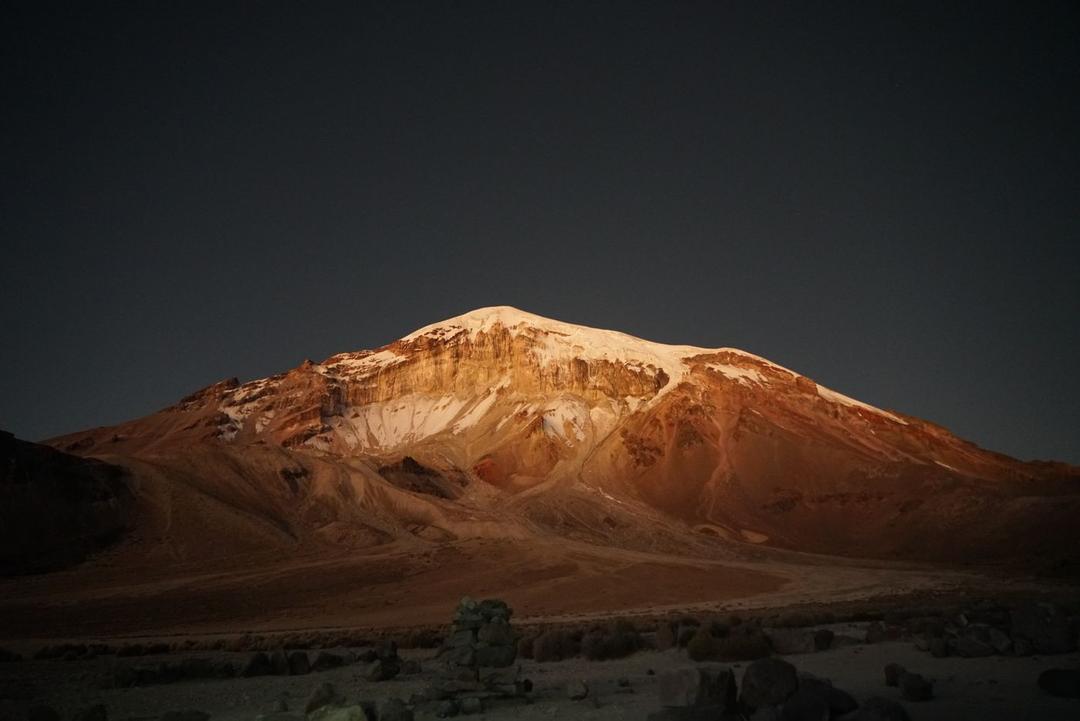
(502, 423)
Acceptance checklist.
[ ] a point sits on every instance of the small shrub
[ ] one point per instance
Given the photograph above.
(421, 638)
(748, 644)
(703, 646)
(616, 641)
(686, 633)
(556, 645)
(666, 635)
(525, 646)
(793, 619)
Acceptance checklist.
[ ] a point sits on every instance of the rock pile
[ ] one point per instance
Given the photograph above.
(478, 657)
(383, 663)
(770, 689)
(1026, 629)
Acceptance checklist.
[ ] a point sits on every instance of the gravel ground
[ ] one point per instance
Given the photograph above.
(985, 688)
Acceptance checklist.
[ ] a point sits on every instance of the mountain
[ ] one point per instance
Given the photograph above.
(506, 425)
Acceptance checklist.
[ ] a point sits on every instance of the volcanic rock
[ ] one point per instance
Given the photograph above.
(768, 682)
(1063, 682)
(706, 685)
(915, 687)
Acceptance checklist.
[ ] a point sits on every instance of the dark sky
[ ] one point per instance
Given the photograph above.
(886, 199)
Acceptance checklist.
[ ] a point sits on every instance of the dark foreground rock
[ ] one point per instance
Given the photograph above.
(893, 672)
(1043, 627)
(92, 713)
(1064, 682)
(915, 687)
(324, 695)
(699, 686)
(185, 715)
(879, 709)
(768, 682)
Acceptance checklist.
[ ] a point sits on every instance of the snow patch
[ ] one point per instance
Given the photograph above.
(363, 362)
(478, 411)
(834, 397)
(737, 373)
(567, 416)
(403, 420)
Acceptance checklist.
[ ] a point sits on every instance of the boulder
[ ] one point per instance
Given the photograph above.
(185, 715)
(258, 664)
(460, 656)
(42, 713)
(805, 705)
(686, 713)
(472, 705)
(298, 663)
(325, 661)
(382, 670)
(914, 687)
(928, 626)
(394, 709)
(745, 643)
(1064, 682)
(324, 695)
(1000, 641)
(496, 656)
(823, 639)
(279, 663)
(447, 708)
(197, 667)
(768, 682)
(875, 632)
(838, 702)
(712, 686)
(96, 712)
(577, 690)
(769, 713)
(343, 713)
(969, 647)
(496, 633)
(787, 641)
(879, 709)
(1045, 626)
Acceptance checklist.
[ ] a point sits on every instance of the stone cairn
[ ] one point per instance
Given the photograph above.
(478, 657)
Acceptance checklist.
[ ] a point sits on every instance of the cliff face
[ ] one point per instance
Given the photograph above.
(515, 413)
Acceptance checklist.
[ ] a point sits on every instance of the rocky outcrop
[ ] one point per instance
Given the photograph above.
(57, 509)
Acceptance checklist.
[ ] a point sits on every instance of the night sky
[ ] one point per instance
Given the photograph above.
(886, 199)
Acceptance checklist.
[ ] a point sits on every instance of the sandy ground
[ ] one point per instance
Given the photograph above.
(397, 587)
(393, 587)
(986, 689)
